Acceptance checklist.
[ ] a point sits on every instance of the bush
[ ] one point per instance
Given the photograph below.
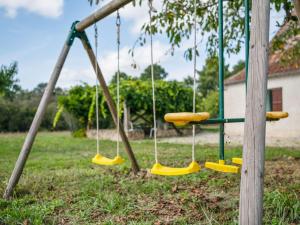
(81, 133)
(210, 104)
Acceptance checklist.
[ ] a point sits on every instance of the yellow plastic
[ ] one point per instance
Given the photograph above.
(159, 169)
(276, 115)
(101, 160)
(221, 167)
(237, 161)
(183, 118)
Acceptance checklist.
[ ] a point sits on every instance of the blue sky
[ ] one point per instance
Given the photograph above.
(33, 33)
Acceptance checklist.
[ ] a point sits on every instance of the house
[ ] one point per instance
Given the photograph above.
(283, 91)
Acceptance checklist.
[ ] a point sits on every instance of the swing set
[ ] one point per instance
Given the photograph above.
(179, 118)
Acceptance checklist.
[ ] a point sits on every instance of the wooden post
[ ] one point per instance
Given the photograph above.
(252, 174)
(111, 105)
(126, 118)
(25, 151)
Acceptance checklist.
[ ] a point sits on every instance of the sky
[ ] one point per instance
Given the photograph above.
(34, 31)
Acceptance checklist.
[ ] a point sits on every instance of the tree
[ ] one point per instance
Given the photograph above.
(123, 76)
(189, 80)
(209, 75)
(175, 19)
(8, 81)
(159, 73)
(237, 67)
(80, 104)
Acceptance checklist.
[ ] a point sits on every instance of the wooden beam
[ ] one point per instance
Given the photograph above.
(252, 174)
(25, 151)
(101, 13)
(111, 105)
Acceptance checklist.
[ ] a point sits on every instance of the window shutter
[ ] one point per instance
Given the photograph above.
(277, 99)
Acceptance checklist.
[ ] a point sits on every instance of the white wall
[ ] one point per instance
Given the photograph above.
(234, 97)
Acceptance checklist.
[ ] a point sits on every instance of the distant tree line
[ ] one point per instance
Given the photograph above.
(18, 106)
(74, 109)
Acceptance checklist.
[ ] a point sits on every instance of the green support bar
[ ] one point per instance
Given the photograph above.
(220, 121)
(247, 39)
(221, 80)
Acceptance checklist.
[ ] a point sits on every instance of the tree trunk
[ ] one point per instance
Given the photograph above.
(252, 174)
(297, 9)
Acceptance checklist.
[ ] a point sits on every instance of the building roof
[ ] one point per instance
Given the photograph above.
(280, 63)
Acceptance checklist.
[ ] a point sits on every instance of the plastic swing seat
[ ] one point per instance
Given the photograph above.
(276, 115)
(180, 119)
(184, 118)
(159, 169)
(101, 160)
(238, 161)
(221, 167)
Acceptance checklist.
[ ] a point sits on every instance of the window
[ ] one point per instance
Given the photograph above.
(274, 99)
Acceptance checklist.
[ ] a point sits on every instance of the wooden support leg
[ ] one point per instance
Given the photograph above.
(252, 174)
(111, 105)
(25, 151)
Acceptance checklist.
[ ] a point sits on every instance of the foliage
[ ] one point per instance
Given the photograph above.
(175, 19)
(158, 72)
(237, 68)
(80, 102)
(286, 43)
(122, 76)
(208, 76)
(189, 80)
(8, 81)
(171, 96)
(17, 113)
(210, 104)
(79, 133)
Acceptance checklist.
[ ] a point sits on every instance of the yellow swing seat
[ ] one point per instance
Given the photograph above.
(276, 115)
(159, 169)
(238, 161)
(101, 160)
(222, 167)
(184, 118)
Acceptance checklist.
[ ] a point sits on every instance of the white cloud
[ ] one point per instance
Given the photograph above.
(108, 62)
(70, 77)
(47, 8)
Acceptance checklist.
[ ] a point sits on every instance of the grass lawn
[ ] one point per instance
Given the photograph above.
(60, 185)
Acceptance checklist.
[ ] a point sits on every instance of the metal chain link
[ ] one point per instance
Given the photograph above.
(118, 25)
(97, 91)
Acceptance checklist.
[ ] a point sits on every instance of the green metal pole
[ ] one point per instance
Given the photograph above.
(221, 80)
(247, 38)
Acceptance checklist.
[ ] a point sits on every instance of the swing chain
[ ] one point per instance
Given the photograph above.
(118, 25)
(151, 9)
(96, 37)
(195, 73)
(97, 94)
